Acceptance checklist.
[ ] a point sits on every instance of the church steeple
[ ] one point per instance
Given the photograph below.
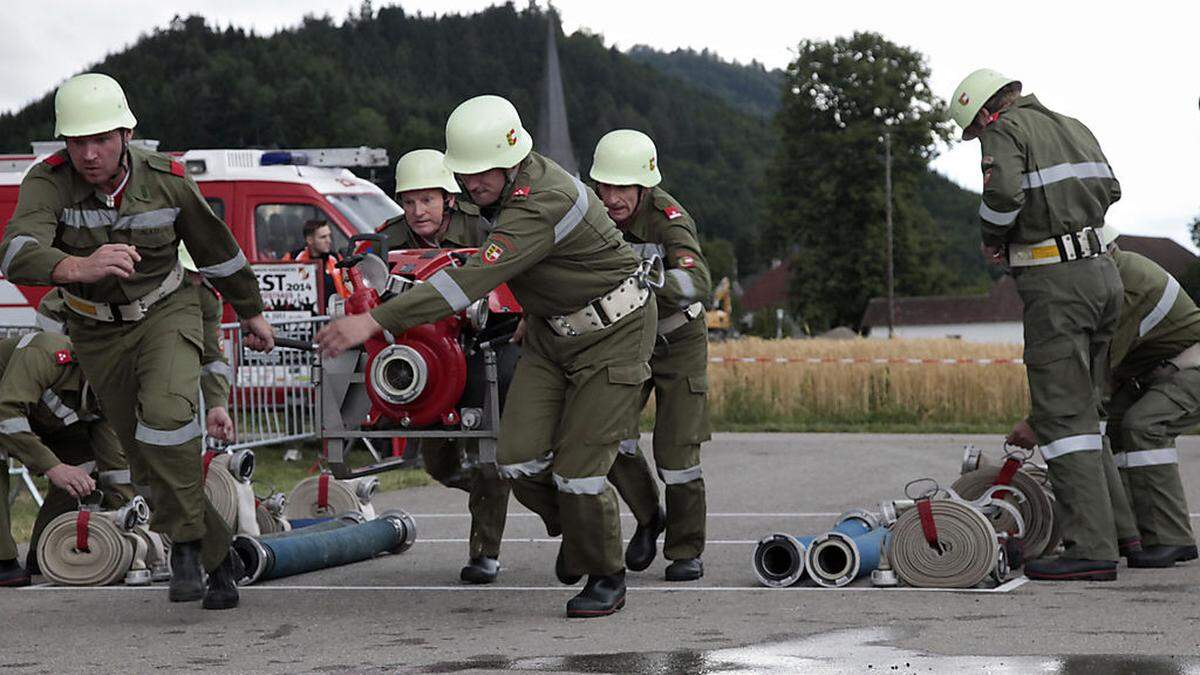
(553, 137)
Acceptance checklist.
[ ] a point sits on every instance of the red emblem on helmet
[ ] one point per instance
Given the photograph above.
(963, 99)
(511, 137)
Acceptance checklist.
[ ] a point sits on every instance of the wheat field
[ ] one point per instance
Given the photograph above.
(836, 395)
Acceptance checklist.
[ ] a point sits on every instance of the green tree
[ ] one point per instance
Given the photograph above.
(827, 175)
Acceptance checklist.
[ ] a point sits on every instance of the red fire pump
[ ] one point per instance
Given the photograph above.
(438, 380)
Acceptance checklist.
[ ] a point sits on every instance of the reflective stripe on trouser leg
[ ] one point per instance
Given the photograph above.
(631, 476)
(1081, 496)
(1123, 519)
(687, 508)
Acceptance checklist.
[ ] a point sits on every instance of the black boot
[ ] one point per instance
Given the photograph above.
(560, 570)
(187, 580)
(685, 569)
(222, 592)
(643, 546)
(31, 564)
(1071, 569)
(601, 596)
(12, 575)
(1161, 556)
(481, 570)
(1128, 546)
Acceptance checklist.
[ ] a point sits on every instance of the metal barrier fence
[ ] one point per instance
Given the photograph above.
(273, 399)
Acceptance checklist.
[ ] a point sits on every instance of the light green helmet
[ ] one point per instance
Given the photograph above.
(91, 103)
(970, 94)
(626, 157)
(51, 312)
(484, 133)
(1108, 234)
(185, 259)
(424, 170)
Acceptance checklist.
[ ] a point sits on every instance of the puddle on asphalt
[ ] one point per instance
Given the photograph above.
(847, 651)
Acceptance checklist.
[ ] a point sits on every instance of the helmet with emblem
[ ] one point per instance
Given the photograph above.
(973, 92)
(484, 133)
(424, 170)
(91, 103)
(626, 157)
(51, 312)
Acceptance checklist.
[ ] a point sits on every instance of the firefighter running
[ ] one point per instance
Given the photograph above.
(590, 330)
(103, 221)
(435, 218)
(625, 167)
(1047, 187)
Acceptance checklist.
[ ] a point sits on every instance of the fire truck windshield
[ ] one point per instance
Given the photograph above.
(365, 211)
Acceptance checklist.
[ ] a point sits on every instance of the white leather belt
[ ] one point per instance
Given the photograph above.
(604, 311)
(679, 319)
(1188, 358)
(134, 311)
(1082, 244)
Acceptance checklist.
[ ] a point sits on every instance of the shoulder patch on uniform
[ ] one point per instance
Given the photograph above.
(178, 169)
(162, 163)
(672, 212)
(63, 356)
(520, 192)
(686, 261)
(56, 160)
(388, 223)
(495, 248)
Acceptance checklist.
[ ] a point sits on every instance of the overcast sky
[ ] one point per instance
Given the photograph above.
(1132, 75)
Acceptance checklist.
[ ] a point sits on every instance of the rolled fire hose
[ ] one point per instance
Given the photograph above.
(962, 553)
(93, 548)
(779, 559)
(1037, 511)
(227, 486)
(324, 525)
(323, 496)
(834, 558)
(277, 557)
(269, 514)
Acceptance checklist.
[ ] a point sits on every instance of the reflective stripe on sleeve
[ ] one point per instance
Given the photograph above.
(25, 340)
(686, 286)
(88, 218)
(227, 268)
(147, 219)
(1061, 172)
(680, 476)
(14, 247)
(1160, 311)
(1103, 427)
(15, 425)
(1064, 446)
(997, 217)
(61, 410)
(116, 477)
(628, 447)
(1136, 458)
(168, 437)
(575, 214)
(648, 251)
(219, 369)
(450, 291)
(592, 485)
(530, 468)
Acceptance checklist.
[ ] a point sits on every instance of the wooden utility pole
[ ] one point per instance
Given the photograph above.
(891, 272)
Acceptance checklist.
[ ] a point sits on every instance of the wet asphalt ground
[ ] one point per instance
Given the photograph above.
(409, 613)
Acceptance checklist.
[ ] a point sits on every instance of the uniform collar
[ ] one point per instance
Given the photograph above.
(643, 216)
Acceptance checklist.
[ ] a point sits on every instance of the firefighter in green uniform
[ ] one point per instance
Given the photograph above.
(1155, 377)
(51, 422)
(1047, 187)
(435, 218)
(103, 220)
(590, 329)
(625, 168)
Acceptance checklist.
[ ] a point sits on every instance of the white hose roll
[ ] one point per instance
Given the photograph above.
(268, 523)
(343, 496)
(1041, 535)
(966, 552)
(227, 487)
(107, 558)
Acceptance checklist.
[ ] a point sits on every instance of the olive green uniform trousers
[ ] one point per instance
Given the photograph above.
(1143, 425)
(679, 369)
(1071, 312)
(147, 377)
(488, 495)
(573, 399)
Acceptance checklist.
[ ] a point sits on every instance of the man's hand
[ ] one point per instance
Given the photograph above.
(109, 260)
(1022, 435)
(219, 424)
(258, 334)
(519, 333)
(73, 479)
(343, 334)
(992, 255)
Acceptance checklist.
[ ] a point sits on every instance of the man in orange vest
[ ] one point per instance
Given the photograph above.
(318, 245)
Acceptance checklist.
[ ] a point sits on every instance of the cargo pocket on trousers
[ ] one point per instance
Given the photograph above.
(1060, 383)
(185, 378)
(624, 395)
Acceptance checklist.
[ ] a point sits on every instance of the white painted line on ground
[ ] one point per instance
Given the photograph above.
(800, 514)
(558, 540)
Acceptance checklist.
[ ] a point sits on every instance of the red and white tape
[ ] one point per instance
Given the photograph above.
(858, 360)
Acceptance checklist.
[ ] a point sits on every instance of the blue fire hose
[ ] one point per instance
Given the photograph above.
(306, 526)
(780, 559)
(836, 559)
(277, 557)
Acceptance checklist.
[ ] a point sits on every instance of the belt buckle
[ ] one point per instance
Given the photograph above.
(138, 309)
